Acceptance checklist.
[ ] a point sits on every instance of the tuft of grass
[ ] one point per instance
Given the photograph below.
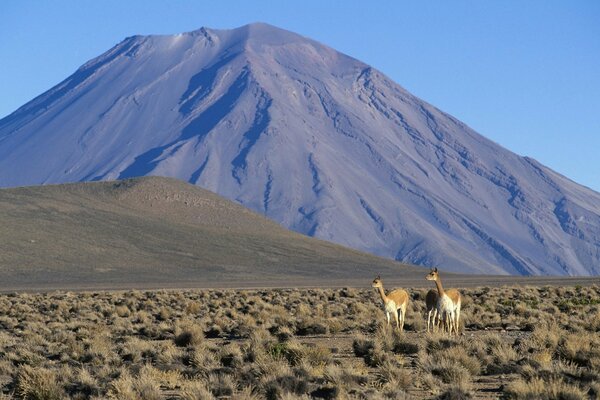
(38, 384)
(537, 388)
(188, 334)
(195, 390)
(455, 393)
(392, 374)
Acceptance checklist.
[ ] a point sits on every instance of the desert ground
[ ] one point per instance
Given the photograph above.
(515, 342)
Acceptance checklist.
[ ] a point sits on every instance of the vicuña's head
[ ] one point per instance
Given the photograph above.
(432, 275)
(377, 282)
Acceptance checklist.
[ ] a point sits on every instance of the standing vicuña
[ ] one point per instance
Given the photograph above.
(431, 300)
(394, 303)
(448, 304)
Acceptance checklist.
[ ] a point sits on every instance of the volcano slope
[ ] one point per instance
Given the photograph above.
(157, 232)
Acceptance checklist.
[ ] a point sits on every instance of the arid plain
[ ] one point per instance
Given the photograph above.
(519, 342)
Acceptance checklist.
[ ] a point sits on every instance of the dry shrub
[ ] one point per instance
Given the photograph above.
(164, 314)
(539, 389)
(247, 393)
(195, 390)
(581, 348)
(256, 348)
(362, 345)
(317, 355)
(166, 353)
(188, 333)
(122, 388)
(99, 348)
(38, 384)
(295, 352)
(437, 341)
(160, 378)
(452, 365)
(503, 359)
(370, 350)
(269, 368)
(385, 337)
(135, 349)
(245, 326)
(360, 310)
(344, 378)
(285, 385)
(284, 333)
(193, 308)
(450, 372)
(231, 356)
(85, 384)
(402, 345)
(545, 336)
(203, 360)
(5, 338)
(334, 325)
(594, 391)
(22, 355)
(146, 385)
(146, 388)
(593, 321)
(392, 374)
(311, 326)
(417, 322)
(122, 311)
(221, 385)
(460, 356)
(455, 393)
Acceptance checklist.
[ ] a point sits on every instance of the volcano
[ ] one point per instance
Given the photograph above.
(313, 139)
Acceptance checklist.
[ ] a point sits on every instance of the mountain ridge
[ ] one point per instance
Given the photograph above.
(313, 139)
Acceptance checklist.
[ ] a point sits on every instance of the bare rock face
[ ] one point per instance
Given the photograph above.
(311, 138)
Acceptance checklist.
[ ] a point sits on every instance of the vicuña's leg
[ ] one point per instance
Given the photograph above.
(457, 320)
(428, 319)
(387, 314)
(401, 318)
(451, 319)
(397, 320)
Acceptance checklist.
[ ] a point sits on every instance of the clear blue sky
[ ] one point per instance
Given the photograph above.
(526, 74)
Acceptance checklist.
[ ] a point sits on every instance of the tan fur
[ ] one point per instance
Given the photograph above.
(449, 302)
(454, 295)
(393, 304)
(399, 296)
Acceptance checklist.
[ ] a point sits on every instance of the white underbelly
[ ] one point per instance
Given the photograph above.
(390, 306)
(445, 305)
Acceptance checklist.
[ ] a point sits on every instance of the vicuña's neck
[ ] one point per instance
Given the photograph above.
(381, 293)
(440, 289)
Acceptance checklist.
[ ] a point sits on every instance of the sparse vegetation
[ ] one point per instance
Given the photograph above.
(516, 343)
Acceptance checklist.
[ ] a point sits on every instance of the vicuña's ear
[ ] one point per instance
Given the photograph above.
(435, 269)
(378, 276)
